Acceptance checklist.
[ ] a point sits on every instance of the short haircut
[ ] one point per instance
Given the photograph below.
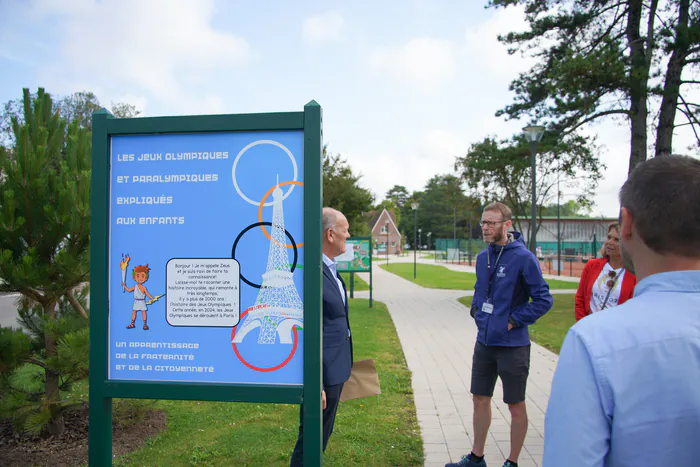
(505, 211)
(329, 218)
(662, 195)
(138, 269)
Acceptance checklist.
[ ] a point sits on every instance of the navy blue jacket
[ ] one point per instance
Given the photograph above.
(337, 344)
(519, 293)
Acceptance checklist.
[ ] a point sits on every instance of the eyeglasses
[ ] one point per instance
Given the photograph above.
(491, 224)
(611, 282)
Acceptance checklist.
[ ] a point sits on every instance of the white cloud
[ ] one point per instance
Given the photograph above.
(323, 27)
(440, 147)
(423, 61)
(482, 46)
(159, 47)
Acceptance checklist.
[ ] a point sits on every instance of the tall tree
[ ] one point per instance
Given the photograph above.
(342, 191)
(390, 206)
(45, 225)
(443, 209)
(77, 107)
(571, 208)
(603, 58)
(501, 171)
(399, 195)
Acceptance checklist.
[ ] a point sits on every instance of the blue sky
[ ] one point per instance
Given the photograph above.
(405, 86)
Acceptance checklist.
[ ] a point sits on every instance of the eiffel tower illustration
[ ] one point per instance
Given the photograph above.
(278, 307)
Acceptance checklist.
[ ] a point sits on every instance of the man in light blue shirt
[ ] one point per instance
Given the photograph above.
(626, 391)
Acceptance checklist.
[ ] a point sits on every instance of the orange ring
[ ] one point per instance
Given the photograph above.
(260, 208)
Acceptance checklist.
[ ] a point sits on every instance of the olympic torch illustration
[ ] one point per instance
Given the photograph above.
(123, 264)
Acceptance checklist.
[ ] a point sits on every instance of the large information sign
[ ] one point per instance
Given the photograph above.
(206, 263)
(205, 258)
(357, 256)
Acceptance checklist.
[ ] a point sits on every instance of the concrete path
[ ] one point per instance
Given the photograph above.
(438, 335)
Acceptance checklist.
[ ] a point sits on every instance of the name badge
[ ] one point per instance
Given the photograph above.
(487, 308)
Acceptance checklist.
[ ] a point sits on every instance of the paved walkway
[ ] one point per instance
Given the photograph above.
(437, 335)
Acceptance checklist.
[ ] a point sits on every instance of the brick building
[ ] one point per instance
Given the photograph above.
(383, 227)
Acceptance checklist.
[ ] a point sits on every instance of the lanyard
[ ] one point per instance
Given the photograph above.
(605, 302)
(495, 267)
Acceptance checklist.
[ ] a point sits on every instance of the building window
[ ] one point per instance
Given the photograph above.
(393, 243)
(384, 230)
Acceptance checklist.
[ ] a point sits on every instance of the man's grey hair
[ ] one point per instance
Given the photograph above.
(330, 218)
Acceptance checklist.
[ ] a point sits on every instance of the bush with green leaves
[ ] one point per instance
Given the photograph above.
(24, 363)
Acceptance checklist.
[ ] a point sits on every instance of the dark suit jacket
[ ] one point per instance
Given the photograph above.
(337, 345)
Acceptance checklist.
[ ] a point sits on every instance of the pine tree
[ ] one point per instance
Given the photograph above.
(44, 255)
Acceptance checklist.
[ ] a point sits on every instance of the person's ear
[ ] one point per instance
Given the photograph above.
(626, 221)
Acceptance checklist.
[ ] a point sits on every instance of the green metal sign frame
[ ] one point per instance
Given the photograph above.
(353, 271)
(102, 389)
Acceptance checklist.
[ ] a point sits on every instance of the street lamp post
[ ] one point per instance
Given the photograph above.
(454, 227)
(414, 206)
(420, 239)
(386, 226)
(533, 133)
(558, 221)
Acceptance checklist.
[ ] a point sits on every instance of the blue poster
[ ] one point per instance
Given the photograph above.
(206, 258)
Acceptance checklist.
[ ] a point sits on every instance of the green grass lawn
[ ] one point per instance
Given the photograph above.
(549, 331)
(440, 277)
(433, 277)
(359, 283)
(380, 430)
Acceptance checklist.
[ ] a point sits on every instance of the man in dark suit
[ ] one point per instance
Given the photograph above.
(337, 340)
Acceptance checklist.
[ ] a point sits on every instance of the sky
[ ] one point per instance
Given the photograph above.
(405, 86)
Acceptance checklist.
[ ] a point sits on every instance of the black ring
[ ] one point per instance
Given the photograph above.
(258, 224)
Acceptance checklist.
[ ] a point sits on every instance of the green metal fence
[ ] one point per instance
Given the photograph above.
(465, 250)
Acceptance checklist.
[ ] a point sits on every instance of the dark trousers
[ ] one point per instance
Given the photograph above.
(332, 400)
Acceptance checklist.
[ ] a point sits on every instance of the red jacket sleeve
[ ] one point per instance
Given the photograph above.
(580, 306)
(629, 282)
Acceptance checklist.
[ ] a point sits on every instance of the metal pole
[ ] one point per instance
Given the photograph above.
(415, 239)
(470, 241)
(387, 243)
(352, 285)
(533, 220)
(454, 226)
(558, 224)
(371, 283)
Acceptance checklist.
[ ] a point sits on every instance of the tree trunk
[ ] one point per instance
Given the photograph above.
(672, 84)
(57, 423)
(638, 79)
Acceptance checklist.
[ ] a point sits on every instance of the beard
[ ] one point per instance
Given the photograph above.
(496, 237)
(626, 259)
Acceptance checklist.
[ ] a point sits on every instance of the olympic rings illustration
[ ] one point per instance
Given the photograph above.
(252, 226)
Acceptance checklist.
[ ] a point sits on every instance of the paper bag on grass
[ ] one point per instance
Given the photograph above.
(363, 382)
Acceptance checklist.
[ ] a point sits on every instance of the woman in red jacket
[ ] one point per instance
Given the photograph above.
(604, 282)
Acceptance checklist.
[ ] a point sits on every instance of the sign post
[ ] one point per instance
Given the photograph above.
(357, 258)
(206, 264)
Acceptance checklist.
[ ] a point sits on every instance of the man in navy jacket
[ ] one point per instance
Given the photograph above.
(337, 339)
(510, 294)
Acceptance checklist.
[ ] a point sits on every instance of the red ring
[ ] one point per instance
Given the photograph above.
(255, 368)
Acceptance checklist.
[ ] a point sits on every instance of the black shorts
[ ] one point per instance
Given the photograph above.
(512, 364)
